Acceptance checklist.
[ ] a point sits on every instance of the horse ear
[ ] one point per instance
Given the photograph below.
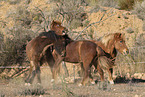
(53, 22)
(117, 35)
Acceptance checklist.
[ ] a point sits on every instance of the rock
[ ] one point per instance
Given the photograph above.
(138, 75)
(143, 76)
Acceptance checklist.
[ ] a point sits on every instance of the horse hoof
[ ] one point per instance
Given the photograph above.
(27, 84)
(93, 83)
(39, 84)
(52, 80)
(80, 85)
(112, 82)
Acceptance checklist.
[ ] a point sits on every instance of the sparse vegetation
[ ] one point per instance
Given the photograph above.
(22, 20)
(129, 30)
(139, 9)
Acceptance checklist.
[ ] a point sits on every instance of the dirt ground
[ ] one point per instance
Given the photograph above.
(122, 88)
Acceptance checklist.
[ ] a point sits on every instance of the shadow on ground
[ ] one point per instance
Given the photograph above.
(120, 79)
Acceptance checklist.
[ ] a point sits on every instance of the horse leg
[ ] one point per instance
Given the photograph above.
(51, 62)
(86, 74)
(91, 78)
(32, 73)
(101, 73)
(56, 67)
(38, 72)
(65, 69)
(74, 71)
(82, 70)
(110, 71)
(90, 75)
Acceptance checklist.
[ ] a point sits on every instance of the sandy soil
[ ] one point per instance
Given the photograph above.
(122, 88)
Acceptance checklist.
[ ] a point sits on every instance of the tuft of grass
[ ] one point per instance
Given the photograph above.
(129, 30)
(65, 88)
(36, 90)
(103, 85)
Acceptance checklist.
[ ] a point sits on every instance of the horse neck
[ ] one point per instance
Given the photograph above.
(109, 48)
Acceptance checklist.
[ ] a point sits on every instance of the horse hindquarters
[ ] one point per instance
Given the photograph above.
(87, 56)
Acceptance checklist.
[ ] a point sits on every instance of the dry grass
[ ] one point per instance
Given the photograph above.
(16, 87)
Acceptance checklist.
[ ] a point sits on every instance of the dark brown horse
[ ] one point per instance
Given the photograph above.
(84, 52)
(110, 43)
(35, 47)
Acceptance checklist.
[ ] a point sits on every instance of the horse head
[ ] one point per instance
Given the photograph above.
(120, 44)
(58, 28)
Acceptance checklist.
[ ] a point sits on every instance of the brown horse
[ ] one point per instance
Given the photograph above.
(110, 43)
(35, 47)
(84, 52)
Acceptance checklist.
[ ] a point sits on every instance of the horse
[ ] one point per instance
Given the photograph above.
(110, 43)
(84, 52)
(35, 47)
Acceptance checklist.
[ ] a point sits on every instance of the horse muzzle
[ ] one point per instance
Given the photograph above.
(125, 52)
(65, 31)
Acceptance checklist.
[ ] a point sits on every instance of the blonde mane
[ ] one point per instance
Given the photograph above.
(107, 38)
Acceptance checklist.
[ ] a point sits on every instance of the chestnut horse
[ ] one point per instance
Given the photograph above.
(110, 43)
(35, 47)
(84, 52)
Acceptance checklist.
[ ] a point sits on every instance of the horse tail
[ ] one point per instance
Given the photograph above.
(105, 62)
(44, 50)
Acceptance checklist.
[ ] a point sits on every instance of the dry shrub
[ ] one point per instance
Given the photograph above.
(13, 2)
(139, 9)
(72, 12)
(13, 49)
(108, 3)
(134, 62)
(127, 4)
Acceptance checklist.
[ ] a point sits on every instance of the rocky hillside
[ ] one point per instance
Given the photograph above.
(113, 20)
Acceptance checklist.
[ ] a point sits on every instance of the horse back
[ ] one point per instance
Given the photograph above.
(78, 50)
(72, 54)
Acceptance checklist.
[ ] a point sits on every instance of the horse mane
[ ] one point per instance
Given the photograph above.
(50, 35)
(105, 40)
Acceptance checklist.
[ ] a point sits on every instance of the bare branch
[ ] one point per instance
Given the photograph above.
(43, 16)
(94, 23)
